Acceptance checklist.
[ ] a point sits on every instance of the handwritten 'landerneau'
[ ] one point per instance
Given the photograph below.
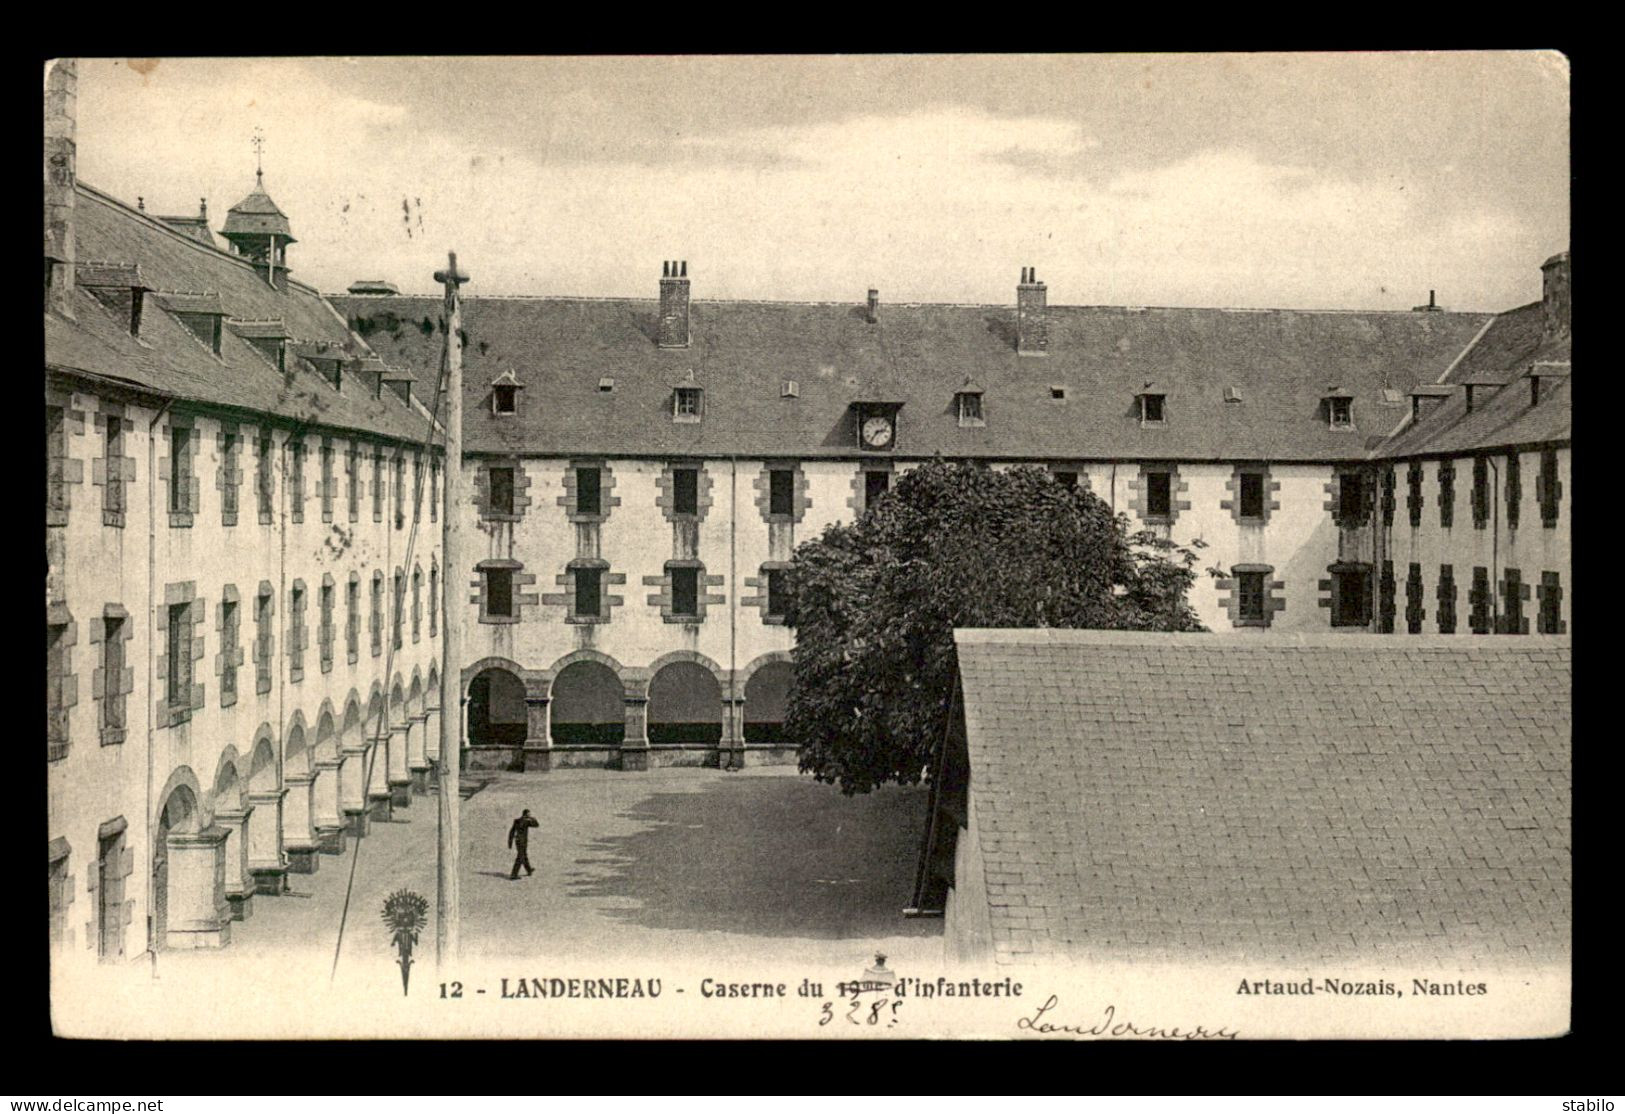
(1108, 1027)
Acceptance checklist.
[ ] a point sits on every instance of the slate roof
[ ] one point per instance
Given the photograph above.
(169, 360)
(1499, 418)
(255, 215)
(1283, 361)
(1312, 797)
(195, 227)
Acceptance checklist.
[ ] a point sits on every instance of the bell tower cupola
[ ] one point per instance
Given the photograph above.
(259, 231)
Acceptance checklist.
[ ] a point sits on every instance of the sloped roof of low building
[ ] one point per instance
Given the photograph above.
(1283, 362)
(170, 360)
(1499, 418)
(1270, 797)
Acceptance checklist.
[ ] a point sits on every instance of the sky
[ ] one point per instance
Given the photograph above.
(1325, 181)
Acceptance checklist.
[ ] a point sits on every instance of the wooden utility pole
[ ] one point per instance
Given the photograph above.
(448, 903)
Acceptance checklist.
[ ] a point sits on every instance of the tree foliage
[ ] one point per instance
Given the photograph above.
(874, 604)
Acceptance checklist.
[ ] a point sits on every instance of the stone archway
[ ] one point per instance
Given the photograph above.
(262, 826)
(498, 720)
(179, 820)
(685, 706)
(231, 812)
(767, 692)
(587, 706)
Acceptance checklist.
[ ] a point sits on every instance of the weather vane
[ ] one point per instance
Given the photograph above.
(259, 152)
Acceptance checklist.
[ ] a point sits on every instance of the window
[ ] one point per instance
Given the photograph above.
(352, 619)
(264, 639)
(1252, 497)
(1387, 589)
(1550, 618)
(352, 480)
(777, 584)
(417, 604)
(1512, 597)
(56, 457)
(61, 896)
(1447, 600)
(264, 478)
(1415, 610)
(686, 404)
(685, 490)
(875, 486)
(1151, 409)
(588, 589)
(113, 481)
(230, 623)
(296, 479)
(417, 486)
(1478, 597)
(1351, 499)
(589, 499)
(178, 650)
(180, 470)
(434, 599)
(378, 485)
(1351, 596)
(501, 480)
(1342, 412)
(112, 679)
(228, 476)
(1514, 490)
(111, 870)
(970, 408)
(505, 398)
(57, 683)
(1548, 488)
(499, 592)
(1067, 479)
(781, 491)
(1388, 496)
(1250, 587)
(1159, 502)
(434, 489)
(397, 468)
(398, 615)
(1481, 493)
(296, 631)
(376, 620)
(1057, 394)
(1447, 493)
(329, 488)
(1413, 500)
(685, 590)
(324, 636)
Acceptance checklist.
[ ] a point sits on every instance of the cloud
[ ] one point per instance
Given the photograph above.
(944, 204)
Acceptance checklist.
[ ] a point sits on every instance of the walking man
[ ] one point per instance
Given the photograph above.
(519, 839)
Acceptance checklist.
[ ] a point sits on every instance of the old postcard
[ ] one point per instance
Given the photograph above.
(564, 547)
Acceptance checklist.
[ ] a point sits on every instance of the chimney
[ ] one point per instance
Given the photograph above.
(1431, 307)
(874, 305)
(61, 97)
(1554, 297)
(1032, 330)
(673, 326)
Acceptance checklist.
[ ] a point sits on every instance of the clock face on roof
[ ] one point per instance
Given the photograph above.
(876, 431)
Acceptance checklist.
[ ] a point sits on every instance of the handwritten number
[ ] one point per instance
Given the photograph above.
(829, 1013)
(874, 1012)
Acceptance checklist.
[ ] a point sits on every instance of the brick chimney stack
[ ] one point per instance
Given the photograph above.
(1032, 328)
(1554, 297)
(874, 306)
(61, 97)
(673, 327)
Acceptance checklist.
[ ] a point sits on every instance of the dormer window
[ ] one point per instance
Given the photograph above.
(1057, 393)
(505, 390)
(1339, 408)
(606, 384)
(1152, 408)
(686, 403)
(790, 389)
(969, 402)
(1232, 394)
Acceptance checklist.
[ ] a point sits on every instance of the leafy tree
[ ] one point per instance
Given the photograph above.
(874, 604)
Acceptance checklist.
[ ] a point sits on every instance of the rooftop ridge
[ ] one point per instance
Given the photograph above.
(158, 223)
(604, 298)
(1263, 640)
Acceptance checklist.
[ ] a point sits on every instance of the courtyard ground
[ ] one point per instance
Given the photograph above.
(676, 864)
